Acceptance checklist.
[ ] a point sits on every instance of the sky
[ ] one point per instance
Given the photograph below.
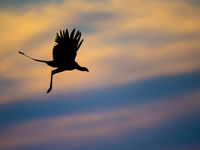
(143, 88)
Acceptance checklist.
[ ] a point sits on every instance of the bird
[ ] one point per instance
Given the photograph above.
(64, 53)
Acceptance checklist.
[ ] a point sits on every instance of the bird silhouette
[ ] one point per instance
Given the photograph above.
(64, 53)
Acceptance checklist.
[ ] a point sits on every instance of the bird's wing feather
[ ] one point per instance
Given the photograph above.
(66, 46)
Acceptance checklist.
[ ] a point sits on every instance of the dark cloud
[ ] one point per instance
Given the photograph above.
(195, 2)
(5, 83)
(88, 21)
(180, 134)
(16, 3)
(150, 90)
(152, 38)
(96, 16)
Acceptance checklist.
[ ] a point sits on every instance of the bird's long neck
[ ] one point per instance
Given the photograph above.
(78, 67)
(81, 68)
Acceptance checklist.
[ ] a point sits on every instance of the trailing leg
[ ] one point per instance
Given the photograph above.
(52, 73)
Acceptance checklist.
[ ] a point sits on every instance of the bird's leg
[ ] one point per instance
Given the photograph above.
(52, 73)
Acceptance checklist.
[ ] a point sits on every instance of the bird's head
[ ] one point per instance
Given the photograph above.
(84, 69)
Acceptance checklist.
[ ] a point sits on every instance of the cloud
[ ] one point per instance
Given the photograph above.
(123, 42)
(106, 123)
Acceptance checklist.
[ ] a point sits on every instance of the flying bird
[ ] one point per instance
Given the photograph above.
(64, 53)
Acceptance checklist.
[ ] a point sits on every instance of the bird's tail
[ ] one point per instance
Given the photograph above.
(32, 58)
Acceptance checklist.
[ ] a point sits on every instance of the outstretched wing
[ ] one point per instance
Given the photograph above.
(66, 46)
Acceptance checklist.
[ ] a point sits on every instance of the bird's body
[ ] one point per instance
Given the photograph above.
(69, 66)
(64, 53)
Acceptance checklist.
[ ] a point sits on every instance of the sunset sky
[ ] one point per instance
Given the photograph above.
(143, 88)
